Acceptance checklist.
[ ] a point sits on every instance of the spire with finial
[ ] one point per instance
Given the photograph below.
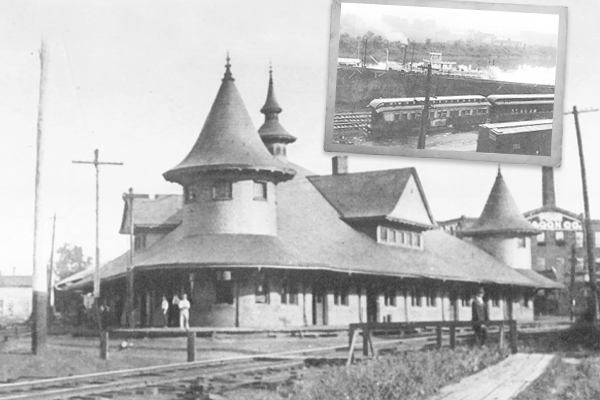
(500, 216)
(229, 142)
(228, 76)
(274, 136)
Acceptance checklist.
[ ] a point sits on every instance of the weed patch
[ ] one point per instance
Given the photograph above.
(411, 375)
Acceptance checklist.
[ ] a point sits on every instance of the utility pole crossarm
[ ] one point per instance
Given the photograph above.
(97, 163)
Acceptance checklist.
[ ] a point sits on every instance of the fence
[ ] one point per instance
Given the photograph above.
(369, 328)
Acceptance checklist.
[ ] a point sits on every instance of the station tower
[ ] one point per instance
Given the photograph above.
(501, 230)
(229, 176)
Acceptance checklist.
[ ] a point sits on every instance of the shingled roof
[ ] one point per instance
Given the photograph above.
(228, 142)
(272, 131)
(369, 194)
(162, 212)
(311, 235)
(500, 216)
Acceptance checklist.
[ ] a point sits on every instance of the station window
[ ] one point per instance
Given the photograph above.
(398, 237)
(579, 239)
(260, 190)
(431, 297)
(221, 190)
(465, 299)
(389, 297)
(224, 288)
(340, 295)
(495, 300)
(416, 298)
(189, 194)
(261, 293)
(289, 292)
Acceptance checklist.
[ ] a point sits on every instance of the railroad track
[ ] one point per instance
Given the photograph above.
(224, 373)
(211, 375)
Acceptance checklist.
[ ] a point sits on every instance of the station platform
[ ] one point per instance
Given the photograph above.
(154, 332)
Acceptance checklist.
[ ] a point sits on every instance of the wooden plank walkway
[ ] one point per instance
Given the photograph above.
(502, 381)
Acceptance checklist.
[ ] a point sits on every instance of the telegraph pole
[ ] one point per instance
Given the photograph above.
(96, 163)
(39, 328)
(129, 309)
(51, 272)
(572, 289)
(589, 233)
(425, 114)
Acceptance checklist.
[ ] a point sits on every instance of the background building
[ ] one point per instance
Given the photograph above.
(15, 298)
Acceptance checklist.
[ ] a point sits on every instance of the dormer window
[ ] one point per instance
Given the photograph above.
(221, 191)
(260, 190)
(397, 237)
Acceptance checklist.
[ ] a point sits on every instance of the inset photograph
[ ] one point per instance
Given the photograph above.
(446, 79)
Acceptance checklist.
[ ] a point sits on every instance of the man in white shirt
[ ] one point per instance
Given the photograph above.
(165, 311)
(184, 312)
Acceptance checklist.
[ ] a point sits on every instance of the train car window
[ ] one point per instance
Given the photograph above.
(454, 113)
(397, 116)
(444, 113)
(404, 116)
(412, 115)
(431, 114)
(388, 117)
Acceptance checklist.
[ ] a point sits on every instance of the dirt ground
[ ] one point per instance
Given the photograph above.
(66, 355)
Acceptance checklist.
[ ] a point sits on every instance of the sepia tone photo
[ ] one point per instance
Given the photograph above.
(448, 80)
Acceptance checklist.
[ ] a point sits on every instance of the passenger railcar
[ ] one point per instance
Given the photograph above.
(520, 107)
(402, 116)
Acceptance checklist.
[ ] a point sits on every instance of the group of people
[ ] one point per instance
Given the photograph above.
(178, 311)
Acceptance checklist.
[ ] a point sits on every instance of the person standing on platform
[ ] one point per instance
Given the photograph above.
(479, 315)
(175, 310)
(165, 311)
(184, 312)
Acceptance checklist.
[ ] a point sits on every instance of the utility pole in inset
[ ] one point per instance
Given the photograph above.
(364, 58)
(405, 50)
(96, 163)
(129, 309)
(412, 57)
(39, 328)
(425, 114)
(589, 233)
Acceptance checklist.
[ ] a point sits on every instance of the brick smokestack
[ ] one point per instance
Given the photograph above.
(339, 165)
(548, 194)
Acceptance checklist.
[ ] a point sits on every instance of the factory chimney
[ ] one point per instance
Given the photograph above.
(548, 194)
(339, 165)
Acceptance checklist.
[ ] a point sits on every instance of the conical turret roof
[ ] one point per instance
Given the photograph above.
(229, 142)
(272, 131)
(501, 216)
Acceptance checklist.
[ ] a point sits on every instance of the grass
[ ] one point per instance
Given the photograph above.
(410, 375)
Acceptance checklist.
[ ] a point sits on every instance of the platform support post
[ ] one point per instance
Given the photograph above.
(191, 346)
(104, 345)
(438, 331)
(513, 336)
(365, 341)
(452, 336)
(501, 337)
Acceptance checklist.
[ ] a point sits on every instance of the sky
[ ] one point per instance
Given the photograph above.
(501, 23)
(136, 79)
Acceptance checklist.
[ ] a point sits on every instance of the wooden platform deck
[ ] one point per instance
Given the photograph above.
(502, 381)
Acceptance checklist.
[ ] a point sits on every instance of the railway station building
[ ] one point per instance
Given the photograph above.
(256, 240)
